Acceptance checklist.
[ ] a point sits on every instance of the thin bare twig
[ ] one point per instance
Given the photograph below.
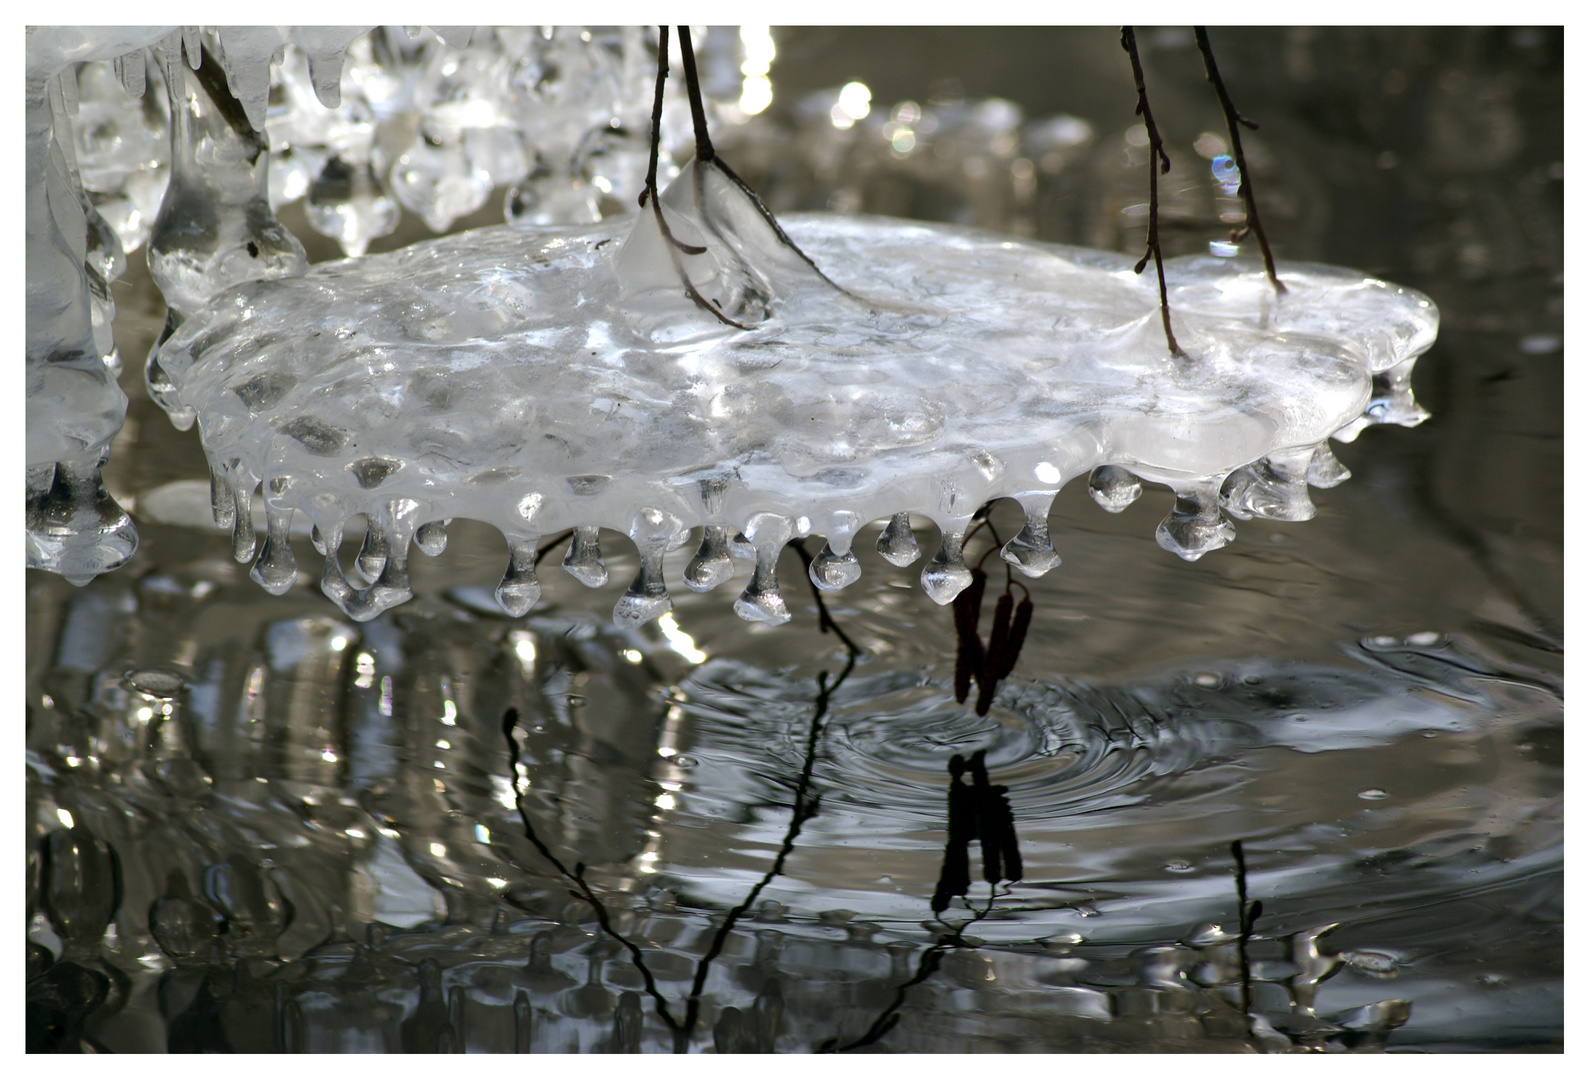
(706, 155)
(1158, 162)
(649, 193)
(1234, 122)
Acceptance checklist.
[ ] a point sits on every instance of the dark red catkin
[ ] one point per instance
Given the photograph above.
(1018, 636)
(998, 641)
(967, 608)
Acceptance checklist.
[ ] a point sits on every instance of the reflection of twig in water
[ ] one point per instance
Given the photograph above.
(1008, 632)
(925, 969)
(1247, 915)
(803, 810)
(510, 720)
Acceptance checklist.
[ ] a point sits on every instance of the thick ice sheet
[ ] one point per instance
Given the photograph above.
(546, 379)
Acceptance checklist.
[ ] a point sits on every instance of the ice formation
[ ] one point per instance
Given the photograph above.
(543, 379)
(560, 379)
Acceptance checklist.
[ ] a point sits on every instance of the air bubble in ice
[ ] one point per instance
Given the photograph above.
(372, 472)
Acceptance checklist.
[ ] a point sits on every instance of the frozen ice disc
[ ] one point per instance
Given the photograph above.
(564, 375)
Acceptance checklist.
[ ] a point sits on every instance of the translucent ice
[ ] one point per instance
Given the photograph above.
(550, 379)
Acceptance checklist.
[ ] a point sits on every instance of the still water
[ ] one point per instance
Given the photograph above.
(254, 825)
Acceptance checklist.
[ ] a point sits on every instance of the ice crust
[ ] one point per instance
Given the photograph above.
(560, 378)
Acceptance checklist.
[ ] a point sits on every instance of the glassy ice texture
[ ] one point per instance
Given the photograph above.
(542, 380)
(75, 407)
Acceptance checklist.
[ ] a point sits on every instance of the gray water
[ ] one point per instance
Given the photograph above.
(314, 826)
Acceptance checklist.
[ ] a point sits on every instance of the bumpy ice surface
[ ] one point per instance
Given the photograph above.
(542, 380)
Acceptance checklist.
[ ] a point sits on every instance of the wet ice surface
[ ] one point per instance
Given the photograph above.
(543, 380)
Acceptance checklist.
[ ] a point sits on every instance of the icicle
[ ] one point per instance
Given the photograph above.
(1031, 551)
(897, 542)
(221, 507)
(1113, 488)
(1390, 402)
(372, 556)
(647, 597)
(1195, 525)
(432, 537)
(520, 588)
(350, 203)
(584, 558)
(242, 482)
(215, 228)
(761, 602)
(1275, 487)
(833, 570)
(946, 574)
(74, 527)
(392, 587)
(712, 565)
(192, 45)
(274, 569)
(1324, 471)
(129, 71)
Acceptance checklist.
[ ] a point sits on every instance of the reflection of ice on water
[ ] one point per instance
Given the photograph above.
(1126, 796)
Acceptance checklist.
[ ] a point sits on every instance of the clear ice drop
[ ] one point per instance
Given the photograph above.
(74, 527)
(431, 537)
(653, 531)
(274, 568)
(946, 574)
(761, 600)
(711, 565)
(1324, 471)
(830, 571)
(584, 558)
(520, 588)
(1195, 526)
(1113, 488)
(1031, 551)
(1275, 487)
(897, 543)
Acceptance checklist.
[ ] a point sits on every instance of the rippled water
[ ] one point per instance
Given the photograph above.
(318, 844)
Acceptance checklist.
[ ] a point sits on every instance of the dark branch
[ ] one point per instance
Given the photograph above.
(698, 112)
(1158, 162)
(649, 194)
(1245, 183)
